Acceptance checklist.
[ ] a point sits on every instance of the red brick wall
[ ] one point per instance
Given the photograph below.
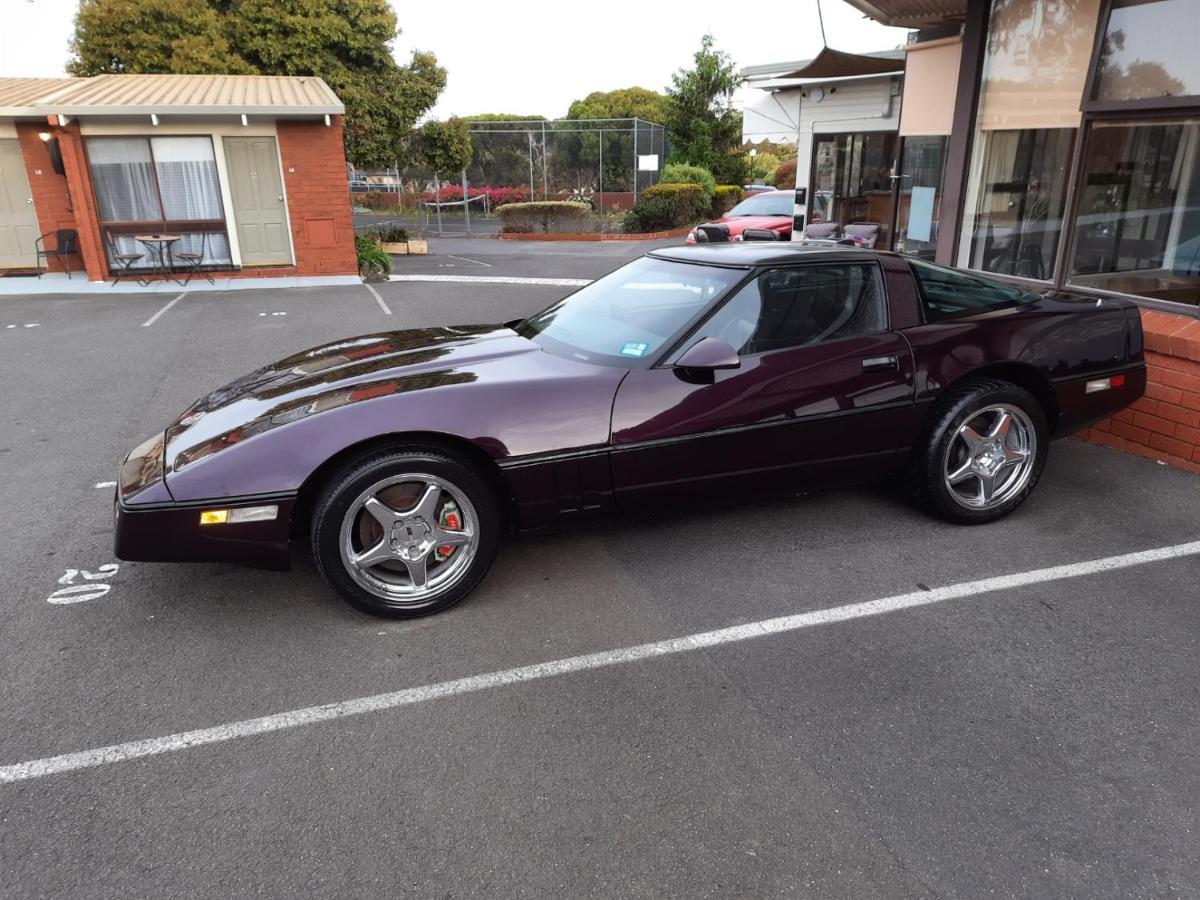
(318, 197)
(1165, 423)
(51, 200)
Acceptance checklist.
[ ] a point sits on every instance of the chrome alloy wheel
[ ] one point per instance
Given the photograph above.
(991, 457)
(399, 539)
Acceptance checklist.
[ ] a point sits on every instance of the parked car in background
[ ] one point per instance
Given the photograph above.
(768, 211)
(694, 373)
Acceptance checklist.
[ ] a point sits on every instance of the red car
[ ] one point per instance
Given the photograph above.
(770, 210)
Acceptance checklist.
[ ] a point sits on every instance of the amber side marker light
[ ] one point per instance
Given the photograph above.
(1104, 384)
(234, 516)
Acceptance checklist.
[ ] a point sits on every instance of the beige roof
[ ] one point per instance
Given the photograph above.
(17, 95)
(195, 95)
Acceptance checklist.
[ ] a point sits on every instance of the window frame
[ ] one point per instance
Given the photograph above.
(1145, 104)
(667, 360)
(114, 227)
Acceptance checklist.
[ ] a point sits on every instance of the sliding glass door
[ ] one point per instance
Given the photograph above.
(159, 185)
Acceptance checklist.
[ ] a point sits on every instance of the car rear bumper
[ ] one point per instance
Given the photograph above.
(173, 533)
(1080, 407)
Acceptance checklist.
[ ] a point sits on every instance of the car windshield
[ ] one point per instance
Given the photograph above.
(629, 315)
(765, 205)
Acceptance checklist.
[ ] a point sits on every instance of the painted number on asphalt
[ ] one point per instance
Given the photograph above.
(93, 586)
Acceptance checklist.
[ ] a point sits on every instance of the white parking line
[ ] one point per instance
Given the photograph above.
(378, 299)
(85, 759)
(154, 318)
(465, 259)
(105, 484)
(493, 279)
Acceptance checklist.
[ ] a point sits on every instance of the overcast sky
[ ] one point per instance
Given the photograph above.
(534, 58)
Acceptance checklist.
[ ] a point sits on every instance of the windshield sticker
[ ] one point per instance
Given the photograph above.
(633, 348)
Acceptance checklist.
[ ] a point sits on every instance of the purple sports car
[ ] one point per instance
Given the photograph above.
(691, 373)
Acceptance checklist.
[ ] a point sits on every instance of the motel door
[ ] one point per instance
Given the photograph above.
(258, 210)
(18, 222)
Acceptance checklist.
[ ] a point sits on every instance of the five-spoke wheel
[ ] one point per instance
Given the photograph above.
(405, 533)
(982, 453)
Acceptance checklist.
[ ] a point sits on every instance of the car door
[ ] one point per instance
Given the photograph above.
(822, 395)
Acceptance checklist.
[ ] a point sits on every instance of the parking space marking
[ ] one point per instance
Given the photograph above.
(378, 299)
(465, 259)
(154, 318)
(492, 279)
(22, 325)
(105, 484)
(100, 756)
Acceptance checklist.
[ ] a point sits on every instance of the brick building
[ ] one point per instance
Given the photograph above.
(248, 170)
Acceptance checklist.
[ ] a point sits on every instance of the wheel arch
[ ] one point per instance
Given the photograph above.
(1023, 376)
(310, 488)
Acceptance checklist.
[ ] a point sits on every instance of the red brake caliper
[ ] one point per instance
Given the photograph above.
(449, 519)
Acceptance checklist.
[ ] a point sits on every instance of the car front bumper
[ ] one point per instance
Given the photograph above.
(171, 532)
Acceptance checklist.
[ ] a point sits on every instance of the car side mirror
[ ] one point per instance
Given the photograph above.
(709, 353)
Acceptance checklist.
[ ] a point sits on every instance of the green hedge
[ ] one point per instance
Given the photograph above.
(666, 206)
(725, 198)
(682, 173)
(544, 217)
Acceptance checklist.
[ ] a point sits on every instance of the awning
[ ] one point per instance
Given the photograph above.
(830, 63)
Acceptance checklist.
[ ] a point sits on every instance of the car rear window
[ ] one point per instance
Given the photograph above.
(765, 205)
(949, 293)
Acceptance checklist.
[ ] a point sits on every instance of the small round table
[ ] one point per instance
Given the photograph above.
(159, 246)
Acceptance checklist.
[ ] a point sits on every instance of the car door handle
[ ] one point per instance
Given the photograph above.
(881, 364)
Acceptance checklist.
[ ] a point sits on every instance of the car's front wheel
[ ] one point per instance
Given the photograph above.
(983, 452)
(405, 532)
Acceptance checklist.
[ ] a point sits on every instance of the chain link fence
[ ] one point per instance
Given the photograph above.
(603, 162)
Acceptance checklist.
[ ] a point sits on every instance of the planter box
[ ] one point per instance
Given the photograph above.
(396, 249)
(417, 248)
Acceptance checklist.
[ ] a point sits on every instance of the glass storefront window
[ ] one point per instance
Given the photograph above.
(851, 180)
(922, 166)
(1014, 216)
(1138, 224)
(1149, 51)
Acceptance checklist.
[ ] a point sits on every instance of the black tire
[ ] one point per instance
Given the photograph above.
(340, 493)
(927, 476)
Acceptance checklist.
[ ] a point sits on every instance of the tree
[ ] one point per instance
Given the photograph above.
(161, 36)
(705, 129)
(345, 42)
(445, 147)
(624, 103)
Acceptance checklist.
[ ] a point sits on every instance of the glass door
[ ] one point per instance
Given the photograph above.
(851, 185)
(922, 168)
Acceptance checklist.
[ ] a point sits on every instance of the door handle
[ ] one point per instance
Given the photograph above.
(881, 364)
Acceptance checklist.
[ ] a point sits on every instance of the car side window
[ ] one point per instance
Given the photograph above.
(948, 293)
(795, 307)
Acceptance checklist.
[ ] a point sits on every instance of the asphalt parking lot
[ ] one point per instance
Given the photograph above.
(1028, 737)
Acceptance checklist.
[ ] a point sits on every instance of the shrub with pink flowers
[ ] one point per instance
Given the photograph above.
(498, 196)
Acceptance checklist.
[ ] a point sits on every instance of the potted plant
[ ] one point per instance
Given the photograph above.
(395, 240)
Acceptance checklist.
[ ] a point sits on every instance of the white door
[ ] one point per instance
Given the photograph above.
(18, 222)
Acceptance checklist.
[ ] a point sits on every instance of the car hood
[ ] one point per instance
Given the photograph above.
(340, 373)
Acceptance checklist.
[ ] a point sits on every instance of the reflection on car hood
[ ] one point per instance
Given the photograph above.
(332, 375)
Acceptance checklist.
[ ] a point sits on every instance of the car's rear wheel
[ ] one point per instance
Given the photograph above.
(405, 532)
(983, 452)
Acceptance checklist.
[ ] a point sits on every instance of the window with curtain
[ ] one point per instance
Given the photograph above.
(159, 185)
(1014, 213)
(1138, 224)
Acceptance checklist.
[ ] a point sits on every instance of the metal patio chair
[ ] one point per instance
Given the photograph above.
(66, 244)
(192, 260)
(122, 263)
